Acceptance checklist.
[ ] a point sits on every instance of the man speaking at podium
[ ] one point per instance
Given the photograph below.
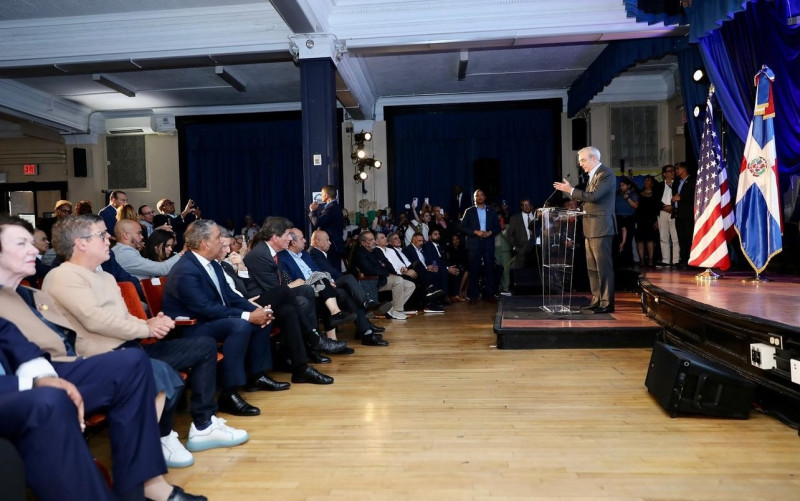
(599, 227)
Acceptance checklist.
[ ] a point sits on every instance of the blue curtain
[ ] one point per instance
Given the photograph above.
(434, 148)
(694, 93)
(235, 168)
(734, 53)
(614, 59)
(656, 11)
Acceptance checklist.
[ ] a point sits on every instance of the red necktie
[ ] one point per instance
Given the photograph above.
(277, 268)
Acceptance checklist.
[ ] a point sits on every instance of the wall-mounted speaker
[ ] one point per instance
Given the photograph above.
(580, 133)
(79, 160)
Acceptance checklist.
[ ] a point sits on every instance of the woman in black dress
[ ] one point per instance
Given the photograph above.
(646, 219)
(457, 256)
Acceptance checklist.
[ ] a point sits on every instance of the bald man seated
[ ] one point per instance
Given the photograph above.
(129, 241)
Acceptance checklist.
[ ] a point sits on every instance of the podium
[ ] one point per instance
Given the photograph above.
(555, 239)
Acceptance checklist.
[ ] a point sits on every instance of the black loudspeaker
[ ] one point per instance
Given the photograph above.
(683, 382)
(79, 160)
(580, 136)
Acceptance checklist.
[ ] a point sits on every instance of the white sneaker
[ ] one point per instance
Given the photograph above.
(397, 315)
(218, 434)
(175, 454)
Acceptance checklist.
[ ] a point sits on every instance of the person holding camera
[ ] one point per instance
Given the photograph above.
(178, 222)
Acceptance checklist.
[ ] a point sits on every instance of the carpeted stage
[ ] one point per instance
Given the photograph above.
(522, 324)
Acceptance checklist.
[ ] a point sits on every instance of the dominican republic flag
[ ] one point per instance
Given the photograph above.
(758, 209)
(713, 208)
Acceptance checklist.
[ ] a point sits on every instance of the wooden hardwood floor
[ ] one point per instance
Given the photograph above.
(443, 415)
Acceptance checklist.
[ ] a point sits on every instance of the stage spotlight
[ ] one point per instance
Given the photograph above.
(356, 178)
(359, 154)
(363, 175)
(699, 76)
(363, 136)
(377, 164)
(371, 162)
(696, 111)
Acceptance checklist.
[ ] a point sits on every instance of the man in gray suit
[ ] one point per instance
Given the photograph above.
(598, 226)
(520, 229)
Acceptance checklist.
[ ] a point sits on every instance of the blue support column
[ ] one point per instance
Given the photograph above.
(319, 125)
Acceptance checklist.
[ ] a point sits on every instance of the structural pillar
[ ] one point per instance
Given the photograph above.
(317, 55)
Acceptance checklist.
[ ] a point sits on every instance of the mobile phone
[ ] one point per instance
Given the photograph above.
(427, 201)
(414, 200)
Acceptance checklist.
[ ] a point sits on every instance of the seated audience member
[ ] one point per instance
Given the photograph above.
(299, 265)
(371, 262)
(159, 247)
(426, 295)
(263, 268)
(63, 208)
(457, 256)
(196, 288)
(250, 228)
(435, 253)
(320, 243)
(116, 199)
(83, 207)
(129, 241)
(42, 244)
(94, 307)
(178, 222)
(235, 258)
(435, 275)
(127, 212)
(119, 383)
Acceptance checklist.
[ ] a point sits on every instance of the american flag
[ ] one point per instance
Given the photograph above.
(713, 209)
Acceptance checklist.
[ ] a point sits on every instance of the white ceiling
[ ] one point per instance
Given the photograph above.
(397, 51)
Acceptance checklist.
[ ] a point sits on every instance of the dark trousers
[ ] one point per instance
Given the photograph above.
(351, 285)
(43, 423)
(288, 314)
(195, 354)
(600, 268)
(481, 258)
(119, 383)
(684, 227)
(245, 346)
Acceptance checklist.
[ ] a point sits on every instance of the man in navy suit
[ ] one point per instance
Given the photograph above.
(329, 218)
(43, 405)
(427, 268)
(480, 225)
(196, 288)
(116, 199)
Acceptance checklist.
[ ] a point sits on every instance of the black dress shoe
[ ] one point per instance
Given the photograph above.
(311, 375)
(604, 309)
(341, 318)
(373, 340)
(345, 351)
(266, 383)
(434, 296)
(330, 345)
(371, 305)
(317, 358)
(233, 403)
(179, 494)
(376, 328)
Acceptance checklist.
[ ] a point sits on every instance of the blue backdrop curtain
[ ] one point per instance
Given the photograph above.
(735, 52)
(434, 148)
(233, 168)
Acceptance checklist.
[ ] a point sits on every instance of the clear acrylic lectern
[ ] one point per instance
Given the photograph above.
(555, 235)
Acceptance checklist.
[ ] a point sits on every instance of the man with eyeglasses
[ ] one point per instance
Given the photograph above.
(668, 235)
(62, 209)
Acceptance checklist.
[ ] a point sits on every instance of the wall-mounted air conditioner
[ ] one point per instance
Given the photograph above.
(130, 125)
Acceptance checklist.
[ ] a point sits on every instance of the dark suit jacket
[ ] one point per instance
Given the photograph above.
(323, 264)
(658, 190)
(290, 269)
(15, 350)
(471, 223)
(410, 252)
(431, 255)
(598, 203)
(516, 233)
(178, 225)
(457, 209)
(329, 219)
(372, 264)
(190, 292)
(685, 208)
(109, 215)
(261, 267)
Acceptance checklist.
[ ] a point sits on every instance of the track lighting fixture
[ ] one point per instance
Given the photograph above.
(363, 136)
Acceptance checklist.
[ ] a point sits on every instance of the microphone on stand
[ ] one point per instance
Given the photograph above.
(552, 195)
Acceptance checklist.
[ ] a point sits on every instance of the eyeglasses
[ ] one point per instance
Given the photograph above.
(65, 211)
(150, 213)
(100, 234)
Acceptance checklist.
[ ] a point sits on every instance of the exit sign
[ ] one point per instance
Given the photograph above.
(30, 169)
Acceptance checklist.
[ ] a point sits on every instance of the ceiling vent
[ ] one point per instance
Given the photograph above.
(130, 125)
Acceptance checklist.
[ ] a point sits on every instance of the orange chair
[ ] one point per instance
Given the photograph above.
(154, 292)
